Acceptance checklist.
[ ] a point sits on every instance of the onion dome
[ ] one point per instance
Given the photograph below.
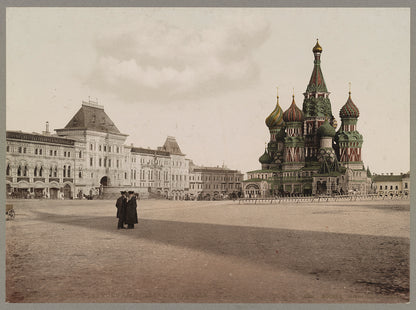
(326, 130)
(265, 158)
(275, 119)
(317, 48)
(293, 114)
(349, 110)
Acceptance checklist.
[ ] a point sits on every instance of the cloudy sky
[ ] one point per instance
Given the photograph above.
(208, 76)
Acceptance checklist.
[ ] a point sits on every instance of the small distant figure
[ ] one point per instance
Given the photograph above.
(121, 206)
(131, 211)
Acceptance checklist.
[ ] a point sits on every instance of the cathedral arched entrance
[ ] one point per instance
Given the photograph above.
(104, 181)
(321, 187)
(67, 191)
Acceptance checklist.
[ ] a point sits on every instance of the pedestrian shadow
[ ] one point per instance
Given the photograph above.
(376, 260)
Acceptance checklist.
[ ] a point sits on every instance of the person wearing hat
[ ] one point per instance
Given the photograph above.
(121, 209)
(131, 211)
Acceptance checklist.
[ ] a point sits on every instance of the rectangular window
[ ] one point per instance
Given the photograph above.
(54, 153)
(381, 186)
(105, 148)
(91, 161)
(36, 151)
(90, 147)
(69, 154)
(64, 153)
(50, 152)
(40, 151)
(118, 163)
(405, 185)
(109, 163)
(99, 162)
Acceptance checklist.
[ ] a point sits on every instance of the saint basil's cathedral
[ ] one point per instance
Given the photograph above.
(305, 154)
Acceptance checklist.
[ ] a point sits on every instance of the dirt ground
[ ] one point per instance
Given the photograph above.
(216, 252)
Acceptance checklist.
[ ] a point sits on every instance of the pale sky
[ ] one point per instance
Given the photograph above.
(208, 76)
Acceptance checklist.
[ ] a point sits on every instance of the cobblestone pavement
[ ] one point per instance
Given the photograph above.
(216, 252)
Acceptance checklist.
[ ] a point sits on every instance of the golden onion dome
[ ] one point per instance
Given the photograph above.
(317, 48)
(275, 119)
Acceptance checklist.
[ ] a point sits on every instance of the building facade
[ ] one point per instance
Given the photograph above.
(305, 154)
(392, 185)
(89, 157)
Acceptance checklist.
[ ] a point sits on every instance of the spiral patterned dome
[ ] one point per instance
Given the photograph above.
(265, 158)
(326, 130)
(293, 114)
(349, 110)
(275, 119)
(317, 48)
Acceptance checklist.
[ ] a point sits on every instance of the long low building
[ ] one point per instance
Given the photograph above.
(392, 184)
(89, 157)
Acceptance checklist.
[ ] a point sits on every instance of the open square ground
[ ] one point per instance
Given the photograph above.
(217, 252)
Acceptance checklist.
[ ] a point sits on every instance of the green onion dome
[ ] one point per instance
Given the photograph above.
(265, 158)
(293, 114)
(275, 119)
(326, 130)
(317, 48)
(349, 110)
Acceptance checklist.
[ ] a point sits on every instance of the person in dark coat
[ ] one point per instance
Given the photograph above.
(121, 205)
(131, 211)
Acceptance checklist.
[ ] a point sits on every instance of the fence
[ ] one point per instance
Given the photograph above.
(317, 199)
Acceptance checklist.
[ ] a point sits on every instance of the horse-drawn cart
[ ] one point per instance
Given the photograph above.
(10, 211)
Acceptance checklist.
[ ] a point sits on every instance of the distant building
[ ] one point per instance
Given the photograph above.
(392, 185)
(215, 183)
(89, 157)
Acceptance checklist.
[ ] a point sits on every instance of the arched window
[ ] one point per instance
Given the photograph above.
(8, 169)
(25, 172)
(19, 171)
(55, 172)
(35, 172)
(64, 171)
(40, 171)
(69, 171)
(50, 172)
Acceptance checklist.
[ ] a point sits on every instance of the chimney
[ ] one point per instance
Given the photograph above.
(46, 132)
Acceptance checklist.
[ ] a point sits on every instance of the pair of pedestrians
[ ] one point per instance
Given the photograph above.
(127, 210)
